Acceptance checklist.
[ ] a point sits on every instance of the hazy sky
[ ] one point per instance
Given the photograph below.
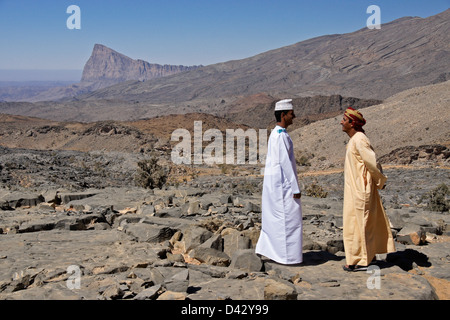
(34, 33)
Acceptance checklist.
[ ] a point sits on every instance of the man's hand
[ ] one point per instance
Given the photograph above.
(297, 196)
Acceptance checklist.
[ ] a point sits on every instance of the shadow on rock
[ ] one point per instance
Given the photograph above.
(406, 260)
(310, 258)
(313, 258)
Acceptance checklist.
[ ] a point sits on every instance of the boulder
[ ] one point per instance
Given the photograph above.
(215, 242)
(210, 256)
(278, 289)
(148, 294)
(195, 236)
(19, 199)
(193, 207)
(246, 259)
(170, 295)
(178, 282)
(144, 232)
(235, 241)
(66, 197)
(251, 207)
(412, 234)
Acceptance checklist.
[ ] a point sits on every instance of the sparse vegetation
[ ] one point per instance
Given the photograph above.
(436, 199)
(303, 158)
(316, 191)
(150, 174)
(224, 168)
(303, 161)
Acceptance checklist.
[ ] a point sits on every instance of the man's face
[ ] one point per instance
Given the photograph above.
(346, 125)
(288, 117)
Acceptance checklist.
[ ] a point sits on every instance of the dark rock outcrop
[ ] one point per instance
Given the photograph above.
(420, 154)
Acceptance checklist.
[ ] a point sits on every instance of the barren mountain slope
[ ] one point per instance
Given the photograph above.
(415, 117)
(374, 64)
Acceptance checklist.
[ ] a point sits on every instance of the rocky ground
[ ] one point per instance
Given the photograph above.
(74, 225)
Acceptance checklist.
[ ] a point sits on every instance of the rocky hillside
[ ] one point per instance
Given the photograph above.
(260, 107)
(307, 109)
(415, 117)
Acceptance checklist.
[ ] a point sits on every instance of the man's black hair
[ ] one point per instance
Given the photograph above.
(278, 114)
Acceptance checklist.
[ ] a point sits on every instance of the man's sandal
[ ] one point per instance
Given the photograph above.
(353, 268)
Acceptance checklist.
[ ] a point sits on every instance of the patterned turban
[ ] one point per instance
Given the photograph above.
(356, 117)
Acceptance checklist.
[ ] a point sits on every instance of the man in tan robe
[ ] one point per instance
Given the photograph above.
(366, 226)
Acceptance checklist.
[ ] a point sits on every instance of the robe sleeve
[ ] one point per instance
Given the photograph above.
(286, 163)
(370, 161)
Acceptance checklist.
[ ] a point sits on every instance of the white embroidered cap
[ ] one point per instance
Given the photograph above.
(284, 105)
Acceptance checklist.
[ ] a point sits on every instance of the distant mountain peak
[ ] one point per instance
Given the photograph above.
(107, 66)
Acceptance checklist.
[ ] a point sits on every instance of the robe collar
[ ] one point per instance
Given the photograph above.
(280, 129)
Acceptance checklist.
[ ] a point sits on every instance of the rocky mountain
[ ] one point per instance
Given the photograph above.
(371, 64)
(106, 67)
(260, 106)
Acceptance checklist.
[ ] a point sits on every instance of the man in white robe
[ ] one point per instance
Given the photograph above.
(281, 233)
